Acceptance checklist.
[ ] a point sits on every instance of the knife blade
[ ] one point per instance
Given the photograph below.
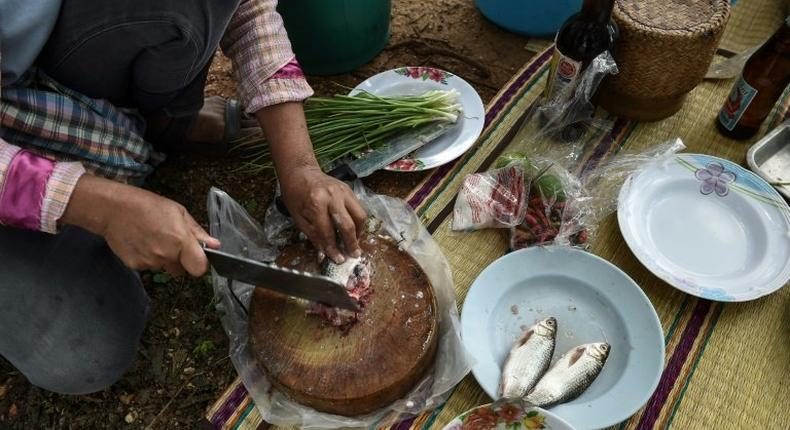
(395, 149)
(283, 280)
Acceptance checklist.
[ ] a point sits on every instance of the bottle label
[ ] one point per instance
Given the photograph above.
(563, 74)
(740, 97)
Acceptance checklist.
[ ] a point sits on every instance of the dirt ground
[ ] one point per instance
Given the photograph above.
(183, 363)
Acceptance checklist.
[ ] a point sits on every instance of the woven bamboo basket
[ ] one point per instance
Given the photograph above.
(663, 52)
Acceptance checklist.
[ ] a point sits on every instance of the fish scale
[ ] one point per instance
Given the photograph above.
(571, 375)
(528, 359)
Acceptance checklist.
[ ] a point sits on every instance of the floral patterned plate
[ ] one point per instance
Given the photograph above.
(707, 227)
(418, 80)
(507, 415)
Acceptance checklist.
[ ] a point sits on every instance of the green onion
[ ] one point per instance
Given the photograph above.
(344, 125)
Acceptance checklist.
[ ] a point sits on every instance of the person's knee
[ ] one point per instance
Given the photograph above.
(91, 365)
(80, 333)
(95, 354)
(87, 359)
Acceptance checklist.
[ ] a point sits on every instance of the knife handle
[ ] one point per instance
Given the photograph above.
(341, 172)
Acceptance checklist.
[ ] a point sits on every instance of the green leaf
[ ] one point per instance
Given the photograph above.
(549, 187)
(161, 278)
(204, 347)
(251, 205)
(510, 157)
(531, 414)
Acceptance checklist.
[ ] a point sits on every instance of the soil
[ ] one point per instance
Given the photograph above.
(183, 363)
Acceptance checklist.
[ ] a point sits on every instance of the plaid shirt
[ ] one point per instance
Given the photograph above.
(51, 135)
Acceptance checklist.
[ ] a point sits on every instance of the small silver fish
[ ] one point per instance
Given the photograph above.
(570, 375)
(528, 359)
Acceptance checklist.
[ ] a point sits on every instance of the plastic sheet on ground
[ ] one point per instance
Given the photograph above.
(242, 235)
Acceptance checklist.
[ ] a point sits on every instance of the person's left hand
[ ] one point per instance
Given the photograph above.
(320, 204)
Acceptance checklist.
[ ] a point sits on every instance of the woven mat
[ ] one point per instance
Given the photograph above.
(726, 365)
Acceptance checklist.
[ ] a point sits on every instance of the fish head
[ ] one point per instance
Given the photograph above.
(546, 327)
(599, 350)
(343, 272)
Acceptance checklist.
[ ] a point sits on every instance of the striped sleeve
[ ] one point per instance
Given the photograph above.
(34, 191)
(263, 62)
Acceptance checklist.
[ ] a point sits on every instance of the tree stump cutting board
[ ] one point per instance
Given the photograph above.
(379, 360)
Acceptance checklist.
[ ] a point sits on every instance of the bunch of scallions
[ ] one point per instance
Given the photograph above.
(343, 125)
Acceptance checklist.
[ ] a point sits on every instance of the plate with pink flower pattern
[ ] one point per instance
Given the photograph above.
(708, 227)
(507, 415)
(419, 80)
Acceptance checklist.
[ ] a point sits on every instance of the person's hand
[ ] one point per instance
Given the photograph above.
(319, 205)
(146, 231)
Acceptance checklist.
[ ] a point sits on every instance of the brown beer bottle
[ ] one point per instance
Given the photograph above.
(581, 38)
(763, 80)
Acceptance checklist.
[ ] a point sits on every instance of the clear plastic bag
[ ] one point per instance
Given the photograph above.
(731, 67)
(242, 235)
(493, 199)
(542, 208)
(602, 184)
(561, 201)
(565, 209)
(559, 129)
(554, 211)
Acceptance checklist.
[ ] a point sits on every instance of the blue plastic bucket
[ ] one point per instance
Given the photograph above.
(529, 17)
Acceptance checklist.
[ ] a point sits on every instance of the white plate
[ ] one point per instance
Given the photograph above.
(708, 227)
(418, 80)
(593, 301)
(508, 415)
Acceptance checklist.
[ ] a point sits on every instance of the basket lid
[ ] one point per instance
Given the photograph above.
(673, 15)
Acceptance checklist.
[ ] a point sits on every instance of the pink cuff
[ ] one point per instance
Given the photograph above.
(23, 190)
(34, 191)
(59, 188)
(291, 70)
(287, 84)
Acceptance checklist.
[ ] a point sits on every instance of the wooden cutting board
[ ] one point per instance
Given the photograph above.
(379, 360)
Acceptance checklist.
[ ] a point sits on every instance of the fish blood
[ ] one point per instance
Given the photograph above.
(355, 274)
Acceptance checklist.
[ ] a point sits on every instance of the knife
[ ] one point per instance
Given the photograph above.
(393, 150)
(283, 280)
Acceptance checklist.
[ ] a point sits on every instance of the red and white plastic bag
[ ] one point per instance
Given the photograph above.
(493, 199)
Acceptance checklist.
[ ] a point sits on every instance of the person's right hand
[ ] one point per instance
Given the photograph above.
(146, 231)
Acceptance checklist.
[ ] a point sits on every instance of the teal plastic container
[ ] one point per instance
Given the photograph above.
(541, 18)
(331, 37)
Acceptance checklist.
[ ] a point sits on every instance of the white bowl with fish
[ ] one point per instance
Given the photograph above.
(564, 330)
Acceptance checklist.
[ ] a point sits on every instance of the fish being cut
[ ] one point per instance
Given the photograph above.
(571, 375)
(528, 359)
(355, 274)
